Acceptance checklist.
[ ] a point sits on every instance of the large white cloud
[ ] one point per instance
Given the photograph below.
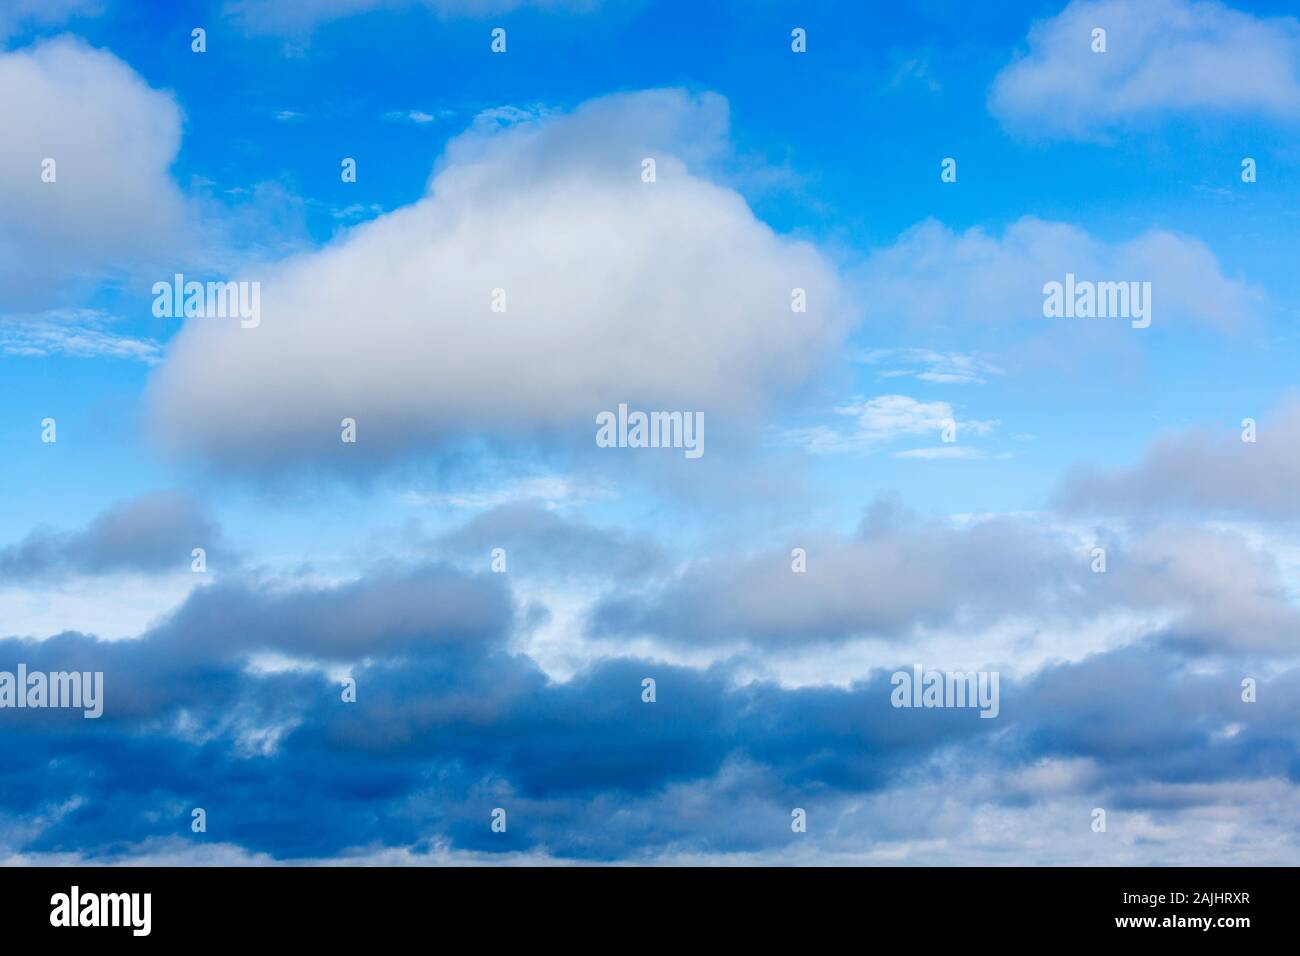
(112, 138)
(1161, 56)
(664, 295)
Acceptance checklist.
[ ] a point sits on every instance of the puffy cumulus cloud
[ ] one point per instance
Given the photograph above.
(899, 577)
(1203, 469)
(113, 138)
(664, 295)
(153, 532)
(298, 17)
(933, 275)
(1162, 56)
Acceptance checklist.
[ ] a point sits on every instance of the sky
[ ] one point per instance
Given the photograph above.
(428, 591)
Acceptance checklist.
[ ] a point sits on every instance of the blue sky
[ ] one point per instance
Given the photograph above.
(775, 170)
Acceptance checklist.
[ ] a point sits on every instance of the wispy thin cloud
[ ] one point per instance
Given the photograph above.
(550, 490)
(80, 333)
(418, 117)
(947, 452)
(884, 419)
(928, 365)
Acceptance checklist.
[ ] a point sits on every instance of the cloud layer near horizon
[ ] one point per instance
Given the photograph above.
(448, 724)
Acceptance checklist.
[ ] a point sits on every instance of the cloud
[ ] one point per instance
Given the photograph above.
(899, 577)
(1202, 469)
(113, 205)
(940, 452)
(1225, 593)
(935, 276)
(1162, 57)
(538, 542)
(928, 365)
(232, 702)
(152, 533)
(884, 419)
(489, 727)
(897, 574)
(390, 612)
(418, 117)
(549, 491)
(917, 70)
(447, 725)
(76, 332)
(400, 311)
(890, 415)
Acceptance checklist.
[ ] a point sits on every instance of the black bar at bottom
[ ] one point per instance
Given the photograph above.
(340, 905)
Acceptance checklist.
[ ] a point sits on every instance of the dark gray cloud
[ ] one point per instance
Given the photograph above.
(153, 532)
(899, 574)
(389, 612)
(896, 573)
(449, 723)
